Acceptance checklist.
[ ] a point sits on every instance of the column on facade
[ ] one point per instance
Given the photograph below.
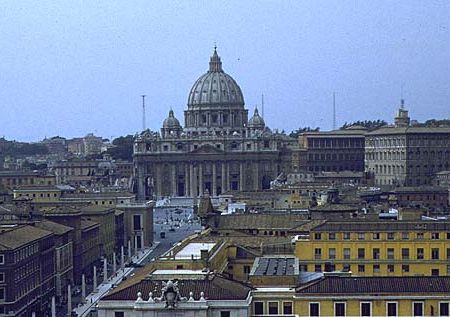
(191, 179)
(141, 181)
(195, 182)
(224, 178)
(228, 176)
(214, 179)
(187, 188)
(256, 176)
(174, 180)
(158, 180)
(200, 179)
(241, 176)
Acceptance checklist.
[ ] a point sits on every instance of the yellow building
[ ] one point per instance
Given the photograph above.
(38, 193)
(374, 296)
(376, 248)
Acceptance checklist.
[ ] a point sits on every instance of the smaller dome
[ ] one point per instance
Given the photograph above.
(256, 121)
(171, 122)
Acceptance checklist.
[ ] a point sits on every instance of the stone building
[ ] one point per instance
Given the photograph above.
(218, 149)
(332, 151)
(404, 155)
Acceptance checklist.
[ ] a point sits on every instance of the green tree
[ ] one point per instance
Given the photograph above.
(296, 133)
(123, 148)
(369, 124)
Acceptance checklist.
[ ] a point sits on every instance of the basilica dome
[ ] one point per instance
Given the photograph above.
(171, 122)
(215, 87)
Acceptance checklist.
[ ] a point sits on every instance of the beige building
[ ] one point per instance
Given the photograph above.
(138, 223)
(219, 149)
(404, 155)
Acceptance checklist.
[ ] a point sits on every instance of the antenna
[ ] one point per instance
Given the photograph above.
(334, 110)
(262, 105)
(143, 112)
(402, 101)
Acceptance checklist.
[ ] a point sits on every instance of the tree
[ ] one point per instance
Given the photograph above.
(296, 133)
(123, 148)
(369, 124)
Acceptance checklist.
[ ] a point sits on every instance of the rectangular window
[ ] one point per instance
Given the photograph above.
(376, 236)
(448, 254)
(317, 236)
(376, 253)
(444, 310)
(258, 308)
(2, 293)
(405, 268)
(317, 268)
(339, 309)
(435, 236)
(332, 253)
(420, 236)
(287, 308)
(405, 254)
(246, 269)
(361, 268)
(361, 253)
(2, 277)
(225, 313)
(317, 253)
(346, 253)
(390, 268)
(390, 253)
(405, 235)
(346, 267)
(434, 272)
(332, 236)
(361, 235)
(419, 253)
(376, 268)
(391, 309)
(418, 309)
(346, 235)
(137, 222)
(2, 259)
(314, 309)
(435, 254)
(273, 308)
(366, 309)
(391, 235)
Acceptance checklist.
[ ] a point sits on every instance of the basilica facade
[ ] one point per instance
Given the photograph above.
(217, 150)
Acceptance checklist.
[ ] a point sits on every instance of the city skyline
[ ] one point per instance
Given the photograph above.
(70, 69)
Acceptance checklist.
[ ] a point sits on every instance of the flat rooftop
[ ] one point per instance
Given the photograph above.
(275, 266)
(192, 250)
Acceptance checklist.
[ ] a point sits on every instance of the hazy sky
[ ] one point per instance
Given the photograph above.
(73, 67)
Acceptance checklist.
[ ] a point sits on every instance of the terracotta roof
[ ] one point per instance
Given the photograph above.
(214, 287)
(86, 224)
(17, 236)
(54, 227)
(421, 189)
(377, 285)
(96, 209)
(385, 226)
(260, 221)
(409, 130)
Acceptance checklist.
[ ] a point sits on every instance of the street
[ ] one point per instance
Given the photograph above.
(176, 223)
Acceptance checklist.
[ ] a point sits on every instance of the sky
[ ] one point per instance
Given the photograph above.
(70, 68)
